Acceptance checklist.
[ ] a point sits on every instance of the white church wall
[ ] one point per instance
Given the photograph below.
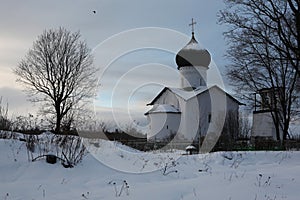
(192, 118)
(168, 98)
(205, 113)
(231, 126)
(214, 106)
(197, 116)
(163, 125)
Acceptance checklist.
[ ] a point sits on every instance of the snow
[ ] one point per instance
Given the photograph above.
(193, 45)
(222, 175)
(186, 94)
(190, 147)
(163, 108)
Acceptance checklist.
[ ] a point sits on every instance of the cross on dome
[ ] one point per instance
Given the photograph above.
(193, 25)
(193, 54)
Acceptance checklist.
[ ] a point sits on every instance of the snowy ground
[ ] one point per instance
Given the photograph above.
(214, 176)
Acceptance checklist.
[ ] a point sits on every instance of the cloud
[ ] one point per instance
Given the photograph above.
(17, 101)
(122, 118)
(30, 18)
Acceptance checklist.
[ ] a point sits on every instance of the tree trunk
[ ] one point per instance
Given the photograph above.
(58, 119)
(57, 126)
(298, 41)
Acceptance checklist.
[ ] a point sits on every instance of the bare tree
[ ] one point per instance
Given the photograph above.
(5, 123)
(281, 17)
(264, 39)
(57, 71)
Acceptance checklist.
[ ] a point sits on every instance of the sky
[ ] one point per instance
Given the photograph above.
(133, 42)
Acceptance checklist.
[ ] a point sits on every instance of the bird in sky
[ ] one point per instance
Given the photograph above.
(94, 11)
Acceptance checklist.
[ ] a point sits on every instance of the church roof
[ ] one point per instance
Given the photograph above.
(163, 108)
(186, 94)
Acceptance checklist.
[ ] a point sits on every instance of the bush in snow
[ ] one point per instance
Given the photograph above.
(68, 148)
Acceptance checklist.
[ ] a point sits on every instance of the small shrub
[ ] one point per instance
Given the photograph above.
(68, 148)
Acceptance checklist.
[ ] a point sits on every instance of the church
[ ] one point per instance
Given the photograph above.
(195, 110)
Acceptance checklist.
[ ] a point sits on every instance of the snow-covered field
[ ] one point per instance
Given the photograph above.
(123, 173)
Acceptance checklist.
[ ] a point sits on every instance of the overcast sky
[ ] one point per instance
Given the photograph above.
(135, 60)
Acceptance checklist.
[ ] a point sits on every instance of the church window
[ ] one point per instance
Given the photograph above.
(167, 127)
(209, 117)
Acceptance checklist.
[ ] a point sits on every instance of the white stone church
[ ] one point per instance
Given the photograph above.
(194, 110)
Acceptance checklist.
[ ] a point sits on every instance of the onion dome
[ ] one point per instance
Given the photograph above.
(193, 55)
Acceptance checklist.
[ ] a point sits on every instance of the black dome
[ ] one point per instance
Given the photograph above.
(193, 55)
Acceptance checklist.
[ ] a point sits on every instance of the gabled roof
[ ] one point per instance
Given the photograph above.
(163, 108)
(186, 94)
